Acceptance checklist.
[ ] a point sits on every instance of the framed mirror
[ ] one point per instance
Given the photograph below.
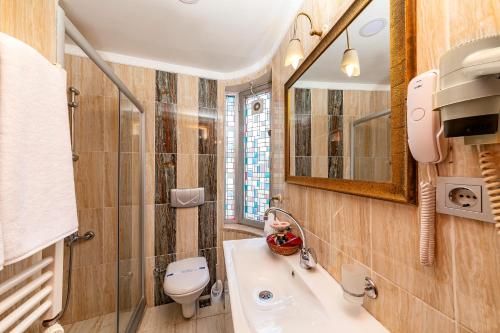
(345, 127)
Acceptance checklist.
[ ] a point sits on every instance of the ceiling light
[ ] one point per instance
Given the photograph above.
(350, 60)
(373, 27)
(189, 2)
(295, 51)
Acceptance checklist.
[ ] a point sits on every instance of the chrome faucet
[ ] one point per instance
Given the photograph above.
(307, 255)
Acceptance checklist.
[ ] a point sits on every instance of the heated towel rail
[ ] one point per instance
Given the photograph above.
(34, 293)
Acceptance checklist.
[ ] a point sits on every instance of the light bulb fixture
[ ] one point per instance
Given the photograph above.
(295, 51)
(350, 60)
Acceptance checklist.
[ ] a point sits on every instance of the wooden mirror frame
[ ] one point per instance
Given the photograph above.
(402, 69)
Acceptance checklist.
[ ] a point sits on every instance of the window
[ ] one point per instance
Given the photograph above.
(230, 121)
(247, 158)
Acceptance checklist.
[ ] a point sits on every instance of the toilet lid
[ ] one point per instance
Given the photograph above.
(185, 276)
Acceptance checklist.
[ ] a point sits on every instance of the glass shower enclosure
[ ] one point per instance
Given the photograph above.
(109, 290)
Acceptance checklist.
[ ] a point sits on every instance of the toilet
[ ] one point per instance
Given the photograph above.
(184, 282)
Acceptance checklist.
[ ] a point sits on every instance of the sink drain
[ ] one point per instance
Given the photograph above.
(265, 295)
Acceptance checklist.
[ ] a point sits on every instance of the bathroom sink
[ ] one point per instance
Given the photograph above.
(272, 294)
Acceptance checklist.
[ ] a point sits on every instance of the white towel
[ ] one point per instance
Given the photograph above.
(37, 191)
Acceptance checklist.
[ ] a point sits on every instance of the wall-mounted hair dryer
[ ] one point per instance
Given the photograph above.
(469, 91)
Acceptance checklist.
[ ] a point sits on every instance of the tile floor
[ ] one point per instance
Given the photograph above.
(168, 319)
(165, 319)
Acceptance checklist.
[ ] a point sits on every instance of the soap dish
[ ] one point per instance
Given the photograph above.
(284, 244)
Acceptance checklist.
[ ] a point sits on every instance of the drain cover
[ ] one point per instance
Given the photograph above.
(265, 295)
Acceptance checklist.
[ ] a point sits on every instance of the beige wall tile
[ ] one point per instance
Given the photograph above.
(89, 180)
(477, 271)
(399, 311)
(321, 206)
(350, 228)
(110, 235)
(395, 242)
(89, 253)
(186, 229)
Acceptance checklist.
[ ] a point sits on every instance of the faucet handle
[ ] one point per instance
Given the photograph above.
(308, 258)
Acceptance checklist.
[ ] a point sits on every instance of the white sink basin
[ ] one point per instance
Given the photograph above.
(292, 299)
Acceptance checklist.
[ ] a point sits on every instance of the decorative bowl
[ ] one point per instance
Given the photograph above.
(284, 244)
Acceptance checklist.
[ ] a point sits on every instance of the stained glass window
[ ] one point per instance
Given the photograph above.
(230, 156)
(257, 147)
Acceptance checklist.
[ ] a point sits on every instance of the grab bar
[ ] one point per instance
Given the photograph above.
(73, 105)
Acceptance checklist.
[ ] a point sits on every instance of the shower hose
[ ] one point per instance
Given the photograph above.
(71, 240)
(491, 178)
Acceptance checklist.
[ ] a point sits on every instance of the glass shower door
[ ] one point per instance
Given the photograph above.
(130, 293)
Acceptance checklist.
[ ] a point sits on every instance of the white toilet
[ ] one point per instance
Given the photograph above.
(184, 282)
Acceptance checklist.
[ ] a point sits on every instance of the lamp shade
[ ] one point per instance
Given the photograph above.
(350, 63)
(294, 53)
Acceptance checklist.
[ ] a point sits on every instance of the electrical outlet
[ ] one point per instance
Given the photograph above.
(462, 196)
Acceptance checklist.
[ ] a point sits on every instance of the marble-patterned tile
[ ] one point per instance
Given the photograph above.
(303, 135)
(207, 131)
(211, 256)
(207, 175)
(166, 87)
(161, 262)
(395, 256)
(207, 225)
(165, 177)
(165, 230)
(336, 167)
(302, 100)
(166, 119)
(207, 93)
(303, 166)
(477, 272)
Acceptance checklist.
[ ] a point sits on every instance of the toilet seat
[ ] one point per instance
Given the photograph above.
(186, 276)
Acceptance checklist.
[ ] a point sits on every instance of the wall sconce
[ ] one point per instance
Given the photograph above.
(350, 60)
(295, 51)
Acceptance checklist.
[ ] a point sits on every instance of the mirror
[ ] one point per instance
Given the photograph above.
(345, 128)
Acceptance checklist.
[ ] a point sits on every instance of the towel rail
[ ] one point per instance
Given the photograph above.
(25, 291)
(22, 310)
(27, 273)
(33, 294)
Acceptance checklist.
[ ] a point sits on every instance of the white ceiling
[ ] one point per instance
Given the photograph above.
(374, 53)
(219, 36)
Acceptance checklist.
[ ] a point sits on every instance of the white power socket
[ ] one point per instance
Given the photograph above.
(465, 197)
